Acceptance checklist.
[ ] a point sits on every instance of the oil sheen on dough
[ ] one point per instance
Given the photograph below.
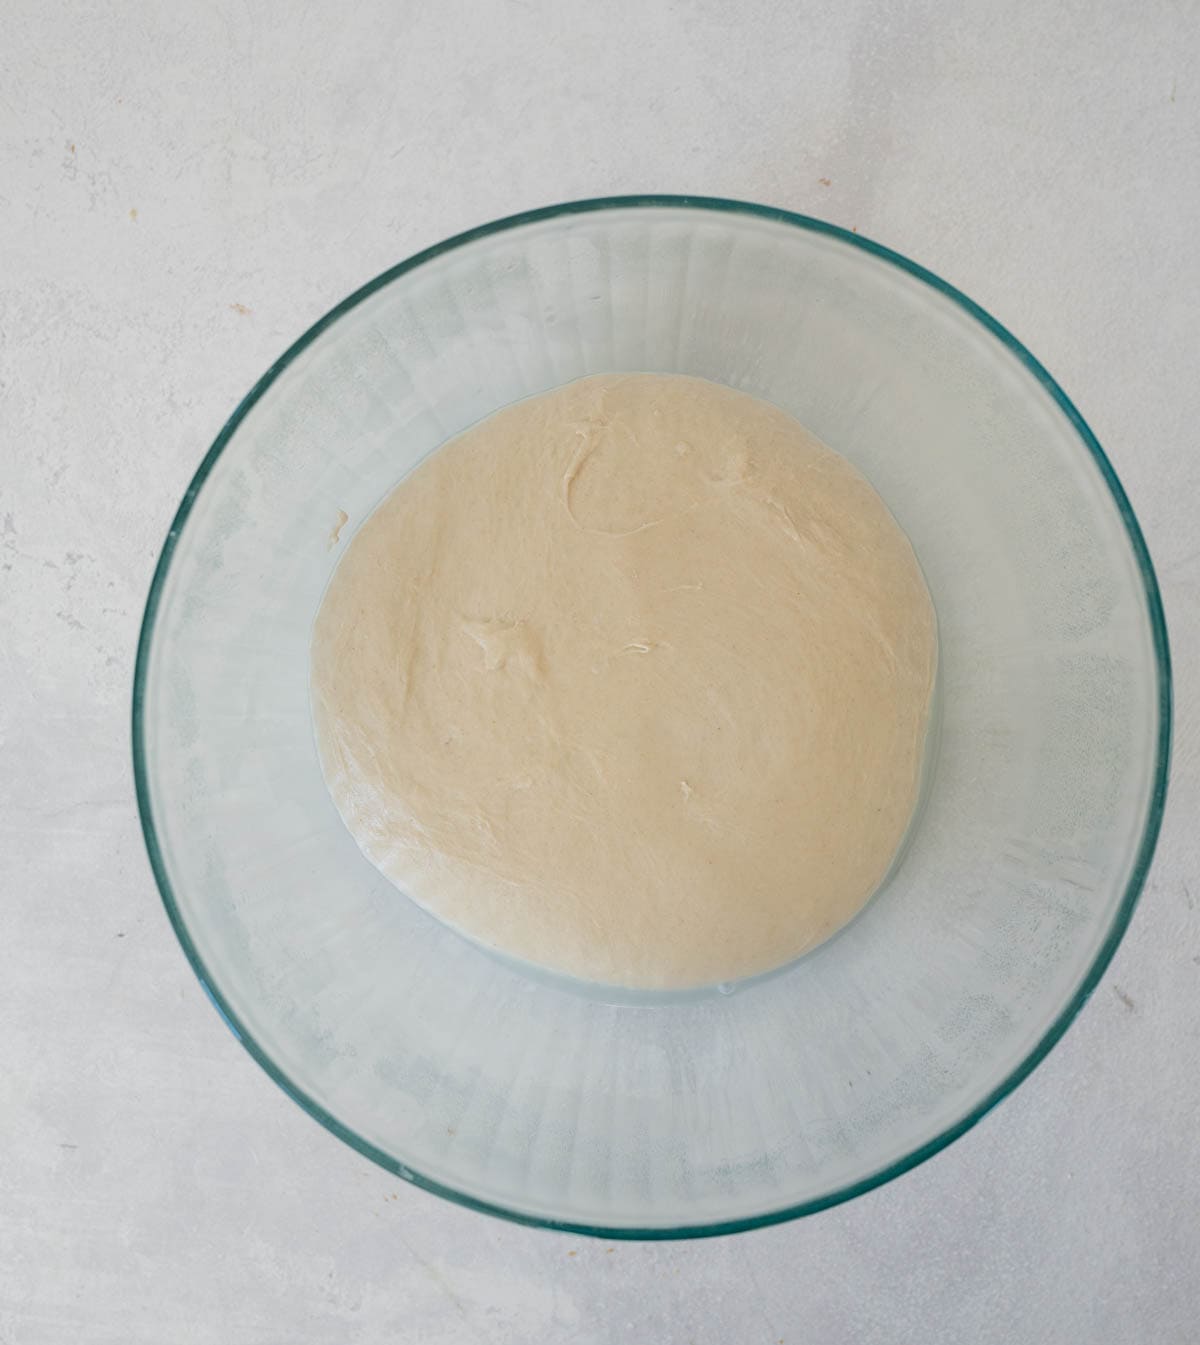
(631, 681)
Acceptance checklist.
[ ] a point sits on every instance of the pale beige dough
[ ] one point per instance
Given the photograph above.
(631, 680)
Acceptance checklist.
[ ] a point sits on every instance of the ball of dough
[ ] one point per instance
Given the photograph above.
(631, 680)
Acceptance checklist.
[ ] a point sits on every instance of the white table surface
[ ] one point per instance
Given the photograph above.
(184, 188)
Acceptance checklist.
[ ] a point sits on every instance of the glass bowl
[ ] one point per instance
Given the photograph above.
(544, 1100)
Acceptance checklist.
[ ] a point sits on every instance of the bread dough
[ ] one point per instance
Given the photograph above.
(631, 680)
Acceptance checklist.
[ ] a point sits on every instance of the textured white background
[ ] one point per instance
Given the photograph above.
(184, 187)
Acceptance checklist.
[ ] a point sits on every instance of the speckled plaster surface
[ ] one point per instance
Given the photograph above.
(183, 189)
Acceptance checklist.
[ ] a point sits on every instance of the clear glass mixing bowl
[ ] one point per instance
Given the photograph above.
(710, 1112)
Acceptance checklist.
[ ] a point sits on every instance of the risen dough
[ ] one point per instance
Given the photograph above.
(631, 680)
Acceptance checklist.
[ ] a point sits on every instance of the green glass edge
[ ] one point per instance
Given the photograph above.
(1145, 849)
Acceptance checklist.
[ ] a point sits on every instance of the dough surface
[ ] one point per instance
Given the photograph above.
(631, 680)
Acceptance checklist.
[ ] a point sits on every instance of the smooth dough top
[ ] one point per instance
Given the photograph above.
(630, 680)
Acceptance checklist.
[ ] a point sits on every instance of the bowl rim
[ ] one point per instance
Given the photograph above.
(1145, 850)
